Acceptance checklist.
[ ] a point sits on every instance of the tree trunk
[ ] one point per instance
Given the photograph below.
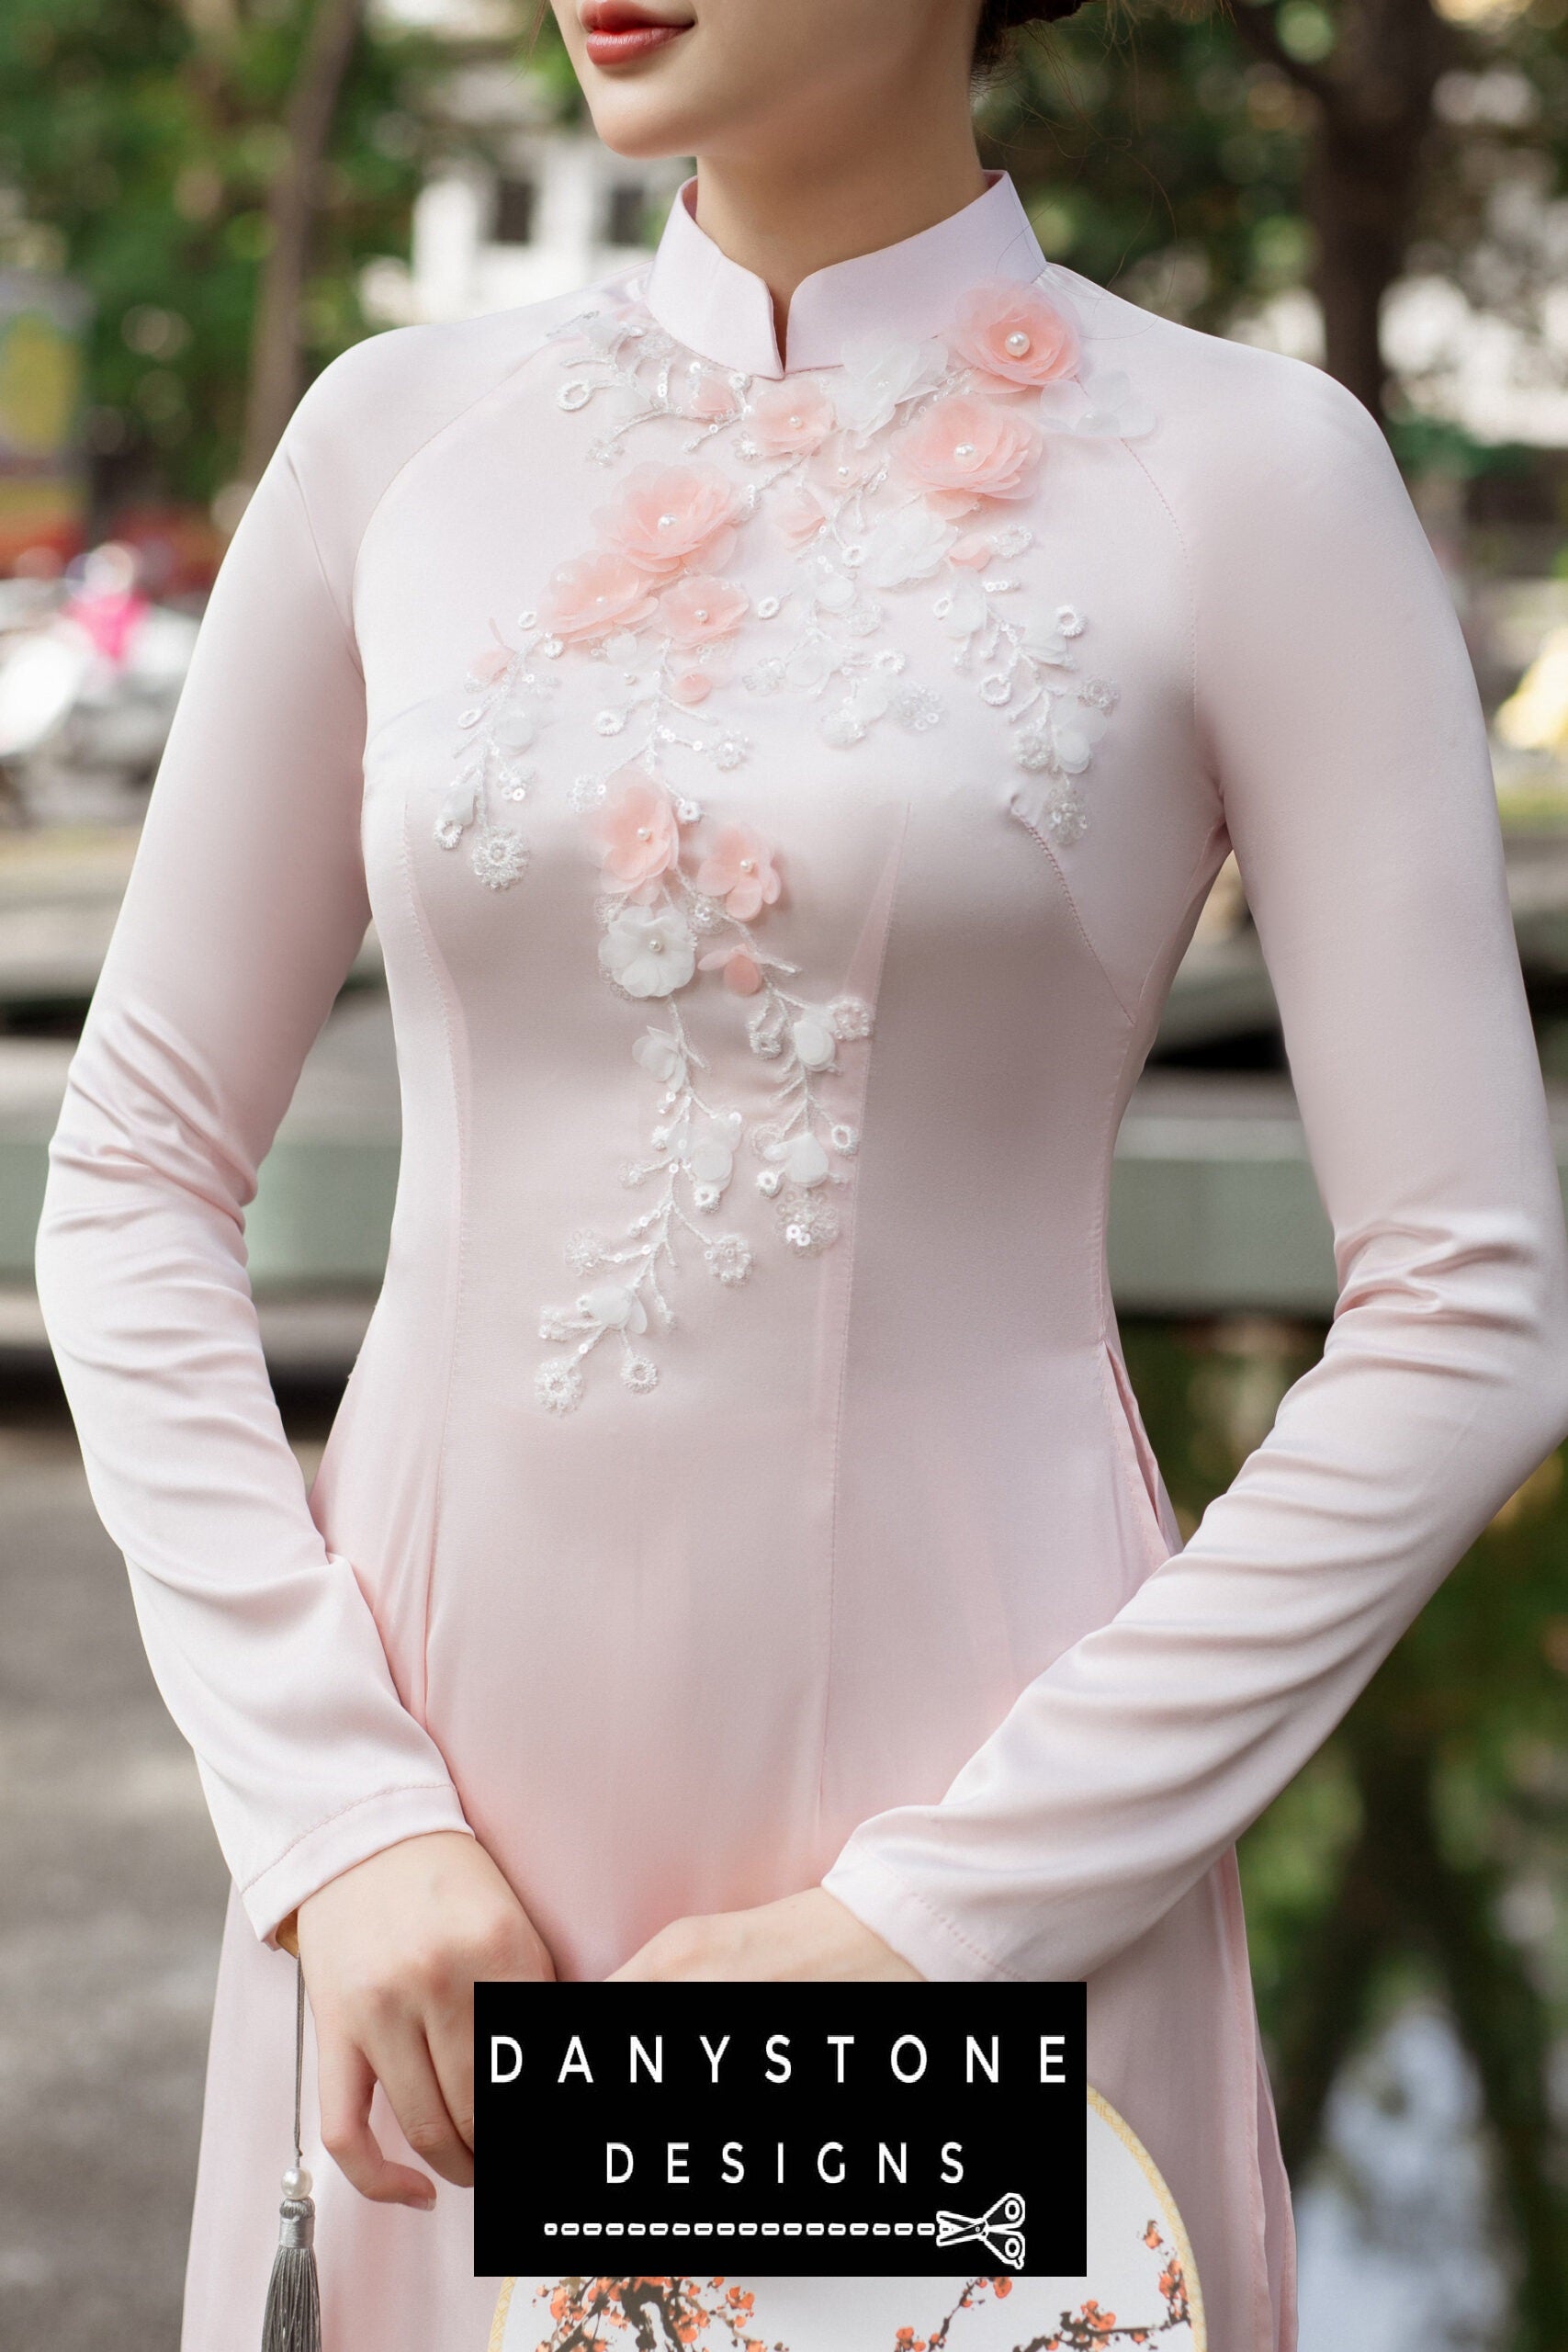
(1373, 99)
(278, 344)
(1359, 192)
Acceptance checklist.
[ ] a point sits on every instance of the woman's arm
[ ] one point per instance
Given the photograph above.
(1347, 742)
(244, 909)
(1339, 713)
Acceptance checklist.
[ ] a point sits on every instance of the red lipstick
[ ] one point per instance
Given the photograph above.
(620, 33)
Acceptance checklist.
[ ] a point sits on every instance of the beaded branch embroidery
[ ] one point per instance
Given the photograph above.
(892, 474)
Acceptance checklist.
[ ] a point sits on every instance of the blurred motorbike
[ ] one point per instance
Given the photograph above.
(90, 672)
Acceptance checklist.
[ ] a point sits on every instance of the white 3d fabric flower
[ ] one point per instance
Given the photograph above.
(1103, 405)
(612, 1307)
(1061, 740)
(711, 1158)
(660, 1056)
(648, 952)
(813, 1041)
(911, 544)
(878, 376)
(963, 609)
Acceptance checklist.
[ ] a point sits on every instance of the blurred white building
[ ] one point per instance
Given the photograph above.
(548, 210)
(559, 212)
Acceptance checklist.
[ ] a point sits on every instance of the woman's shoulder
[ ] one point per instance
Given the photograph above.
(376, 405)
(1214, 400)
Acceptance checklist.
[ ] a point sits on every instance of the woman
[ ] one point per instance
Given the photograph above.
(784, 708)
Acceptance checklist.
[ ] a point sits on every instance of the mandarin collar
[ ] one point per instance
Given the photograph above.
(725, 312)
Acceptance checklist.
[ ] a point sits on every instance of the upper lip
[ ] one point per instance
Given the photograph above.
(623, 16)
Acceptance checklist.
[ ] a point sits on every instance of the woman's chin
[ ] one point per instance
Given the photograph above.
(645, 122)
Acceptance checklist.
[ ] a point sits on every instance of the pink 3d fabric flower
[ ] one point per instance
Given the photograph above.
(673, 518)
(488, 665)
(704, 397)
(963, 449)
(699, 608)
(594, 596)
(786, 420)
(739, 869)
(742, 973)
(843, 460)
(636, 833)
(1013, 332)
(799, 517)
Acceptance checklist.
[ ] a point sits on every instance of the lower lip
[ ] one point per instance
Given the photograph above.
(632, 46)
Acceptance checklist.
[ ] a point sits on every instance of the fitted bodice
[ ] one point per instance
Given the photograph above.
(784, 827)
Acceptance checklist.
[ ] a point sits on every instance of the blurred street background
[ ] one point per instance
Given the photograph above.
(201, 202)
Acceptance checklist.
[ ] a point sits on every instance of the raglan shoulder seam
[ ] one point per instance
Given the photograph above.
(448, 423)
(342, 618)
(506, 371)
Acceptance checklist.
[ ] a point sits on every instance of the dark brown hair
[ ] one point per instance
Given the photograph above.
(999, 19)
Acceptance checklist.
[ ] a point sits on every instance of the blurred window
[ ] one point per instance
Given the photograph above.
(628, 209)
(515, 203)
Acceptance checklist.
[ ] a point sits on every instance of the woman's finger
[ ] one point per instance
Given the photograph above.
(345, 2081)
(449, 2031)
(400, 2056)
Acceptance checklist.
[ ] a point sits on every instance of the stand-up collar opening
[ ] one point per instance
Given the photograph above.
(725, 312)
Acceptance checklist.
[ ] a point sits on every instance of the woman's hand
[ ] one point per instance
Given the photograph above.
(811, 1935)
(392, 1950)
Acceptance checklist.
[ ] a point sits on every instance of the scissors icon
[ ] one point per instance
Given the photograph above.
(999, 2229)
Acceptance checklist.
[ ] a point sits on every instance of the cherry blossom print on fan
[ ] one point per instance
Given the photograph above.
(1140, 2288)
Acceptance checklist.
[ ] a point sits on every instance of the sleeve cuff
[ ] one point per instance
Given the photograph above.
(333, 1846)
(886, 1903)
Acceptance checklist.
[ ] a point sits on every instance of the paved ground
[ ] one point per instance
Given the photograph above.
(111, 1900)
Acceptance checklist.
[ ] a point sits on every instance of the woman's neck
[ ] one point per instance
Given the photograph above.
(785, 220)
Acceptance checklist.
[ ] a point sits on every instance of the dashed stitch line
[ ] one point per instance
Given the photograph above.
(741, 2229)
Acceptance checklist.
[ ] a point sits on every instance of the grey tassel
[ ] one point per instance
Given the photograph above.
(293, 2321)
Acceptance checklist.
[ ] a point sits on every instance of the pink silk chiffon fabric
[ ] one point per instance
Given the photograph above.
(784, 786)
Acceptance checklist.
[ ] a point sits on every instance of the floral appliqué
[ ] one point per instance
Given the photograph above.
(670, 913)
(899, 471)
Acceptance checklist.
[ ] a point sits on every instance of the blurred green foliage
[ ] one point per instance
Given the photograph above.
(1153, 154)
(1155, 149)
(1160, 151)
(1481, 1676)
(140, 137)
(1426, 1846)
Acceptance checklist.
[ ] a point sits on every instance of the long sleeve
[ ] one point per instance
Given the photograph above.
(1339, 720)
(244, 909)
